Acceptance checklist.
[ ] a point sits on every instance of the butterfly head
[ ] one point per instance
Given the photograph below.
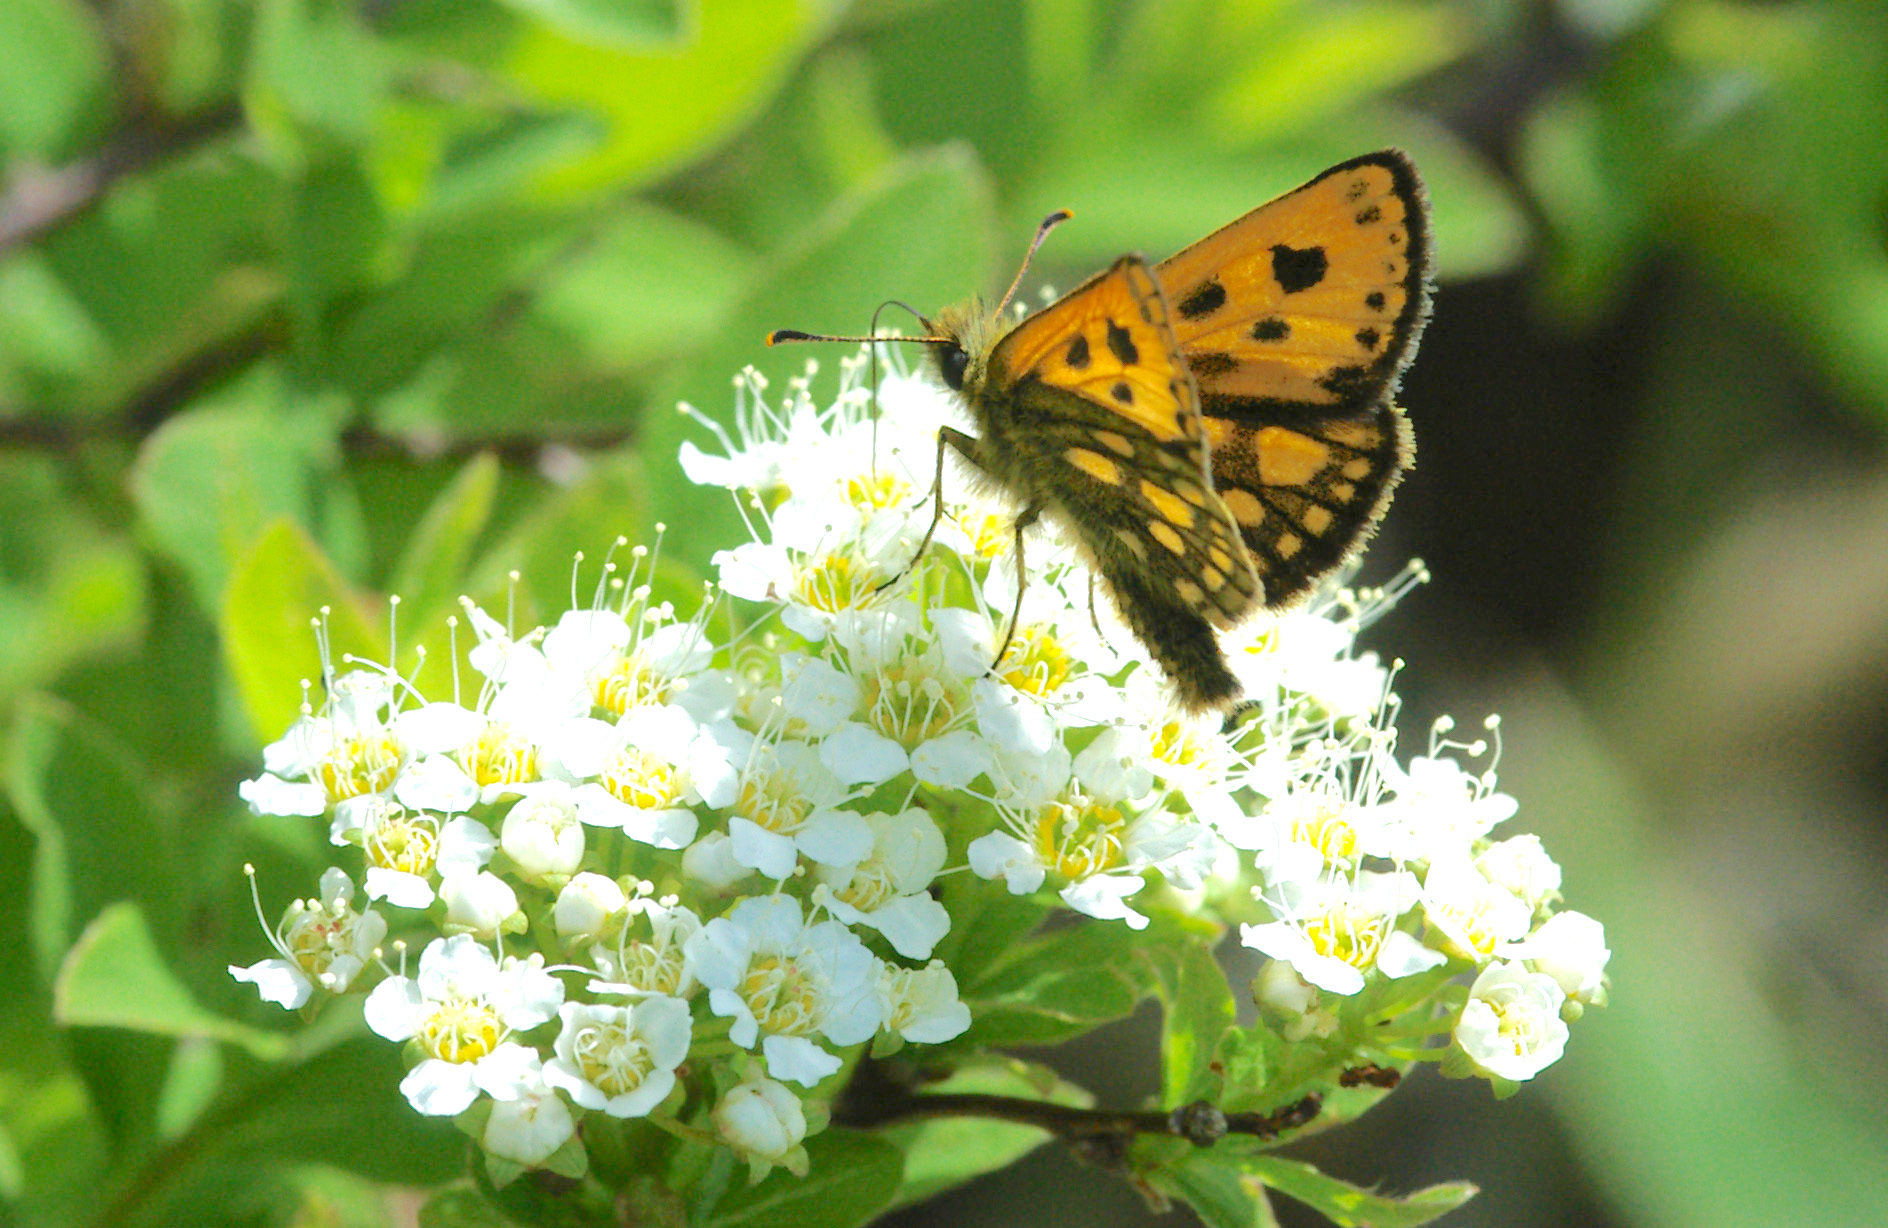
(960, 343)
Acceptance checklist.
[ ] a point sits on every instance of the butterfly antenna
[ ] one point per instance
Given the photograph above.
(1042, 232)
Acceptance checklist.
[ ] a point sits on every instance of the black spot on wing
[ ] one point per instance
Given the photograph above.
(1204, 299)
(1374, 300)
(1208, 363)
(1298, 268)
(1122, 393)
(1122, 345)
(1271, 328)
(1350, 385)
(1368, 338)
(1356, 189)
(1077, 357)
(1369, 214)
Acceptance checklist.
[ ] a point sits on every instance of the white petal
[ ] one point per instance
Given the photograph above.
(857, 754)
(398, 888)
(951, 760)
(798, 1059)
(835, 838)
(279, 981)
(440, 1089)
(753, 845)
(273, 795)
(913, 924)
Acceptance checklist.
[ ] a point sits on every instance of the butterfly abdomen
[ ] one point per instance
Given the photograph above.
(1178, 638)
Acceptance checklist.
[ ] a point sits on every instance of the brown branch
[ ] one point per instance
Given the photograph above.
(879, 1101)
(39, 199)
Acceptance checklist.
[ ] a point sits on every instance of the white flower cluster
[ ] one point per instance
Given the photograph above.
(645, 849)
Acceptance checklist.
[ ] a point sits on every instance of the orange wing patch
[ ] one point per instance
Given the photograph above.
(1110, 340)
(1314, 299)
(1304, 500)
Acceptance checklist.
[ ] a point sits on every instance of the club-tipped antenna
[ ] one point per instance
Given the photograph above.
(1042, 232)
(783, 335)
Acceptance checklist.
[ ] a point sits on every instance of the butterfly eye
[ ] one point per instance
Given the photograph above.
(951, 363)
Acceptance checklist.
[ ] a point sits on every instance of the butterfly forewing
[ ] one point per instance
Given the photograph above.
(1110, 421)
(1313, 300)
(1296, 321)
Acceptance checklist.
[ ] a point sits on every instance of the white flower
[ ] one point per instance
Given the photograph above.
(652, 768)
(481, 905)
(656, 965)
(1332, 931)
(322, 942)
(764, 1121)
(531, 1128)
(462, 1008)
(620, 1059)
(408, 851)
(1097, 849)
(785, 981)
(588, 906)
(921, 1004)
(1521, 865)
(710, 861)
(543, 835)
(1473, 916)
(1440, 810)
(1511, 1026)
(785, 805)
(1571, 948)
(887, 890)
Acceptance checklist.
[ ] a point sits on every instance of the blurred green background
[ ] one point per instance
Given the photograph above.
(310, 302)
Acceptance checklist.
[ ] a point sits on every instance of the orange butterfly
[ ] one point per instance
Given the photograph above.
(1217, 430)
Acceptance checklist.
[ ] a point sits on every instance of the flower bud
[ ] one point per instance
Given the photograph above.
(544, 836)
(480, 904)
(585, 906)
(764, 1121)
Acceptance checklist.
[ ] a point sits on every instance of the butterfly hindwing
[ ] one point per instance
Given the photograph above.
(1306, 496)
(1313, 301)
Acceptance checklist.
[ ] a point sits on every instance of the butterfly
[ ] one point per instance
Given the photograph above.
(1216, 431)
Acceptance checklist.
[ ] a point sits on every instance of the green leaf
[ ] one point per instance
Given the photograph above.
(1350, 1207)
(431, 570)
(266, 624)
(208, 480)
(919, 232)
(853, 1179)
(114, 977)
(191, 1082)
(336, 229)
(1221, 1194)
(1198, 1009)
(1057, 986)
(663, 105)
(946, 1152)
(55, 71)
(610, 23)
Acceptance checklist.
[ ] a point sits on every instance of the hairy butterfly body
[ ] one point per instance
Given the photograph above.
(1217, 431)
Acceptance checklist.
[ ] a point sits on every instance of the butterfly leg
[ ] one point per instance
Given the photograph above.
(1028, 517)
(966, 445)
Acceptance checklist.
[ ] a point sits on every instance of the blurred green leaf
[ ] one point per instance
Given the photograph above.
(115, 977)
(431, 570)
(664, 105)
(617, 23)
(1223, 1195)
(55, 72)
(652, 284)
(210, 478)
(1300, 64)
(192, 1081)
(335, 233)
(854, 1176)
(947, 1151)
(314, 74)
(46, 334)
(68, 592)
(91, 812)
(275, 594)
